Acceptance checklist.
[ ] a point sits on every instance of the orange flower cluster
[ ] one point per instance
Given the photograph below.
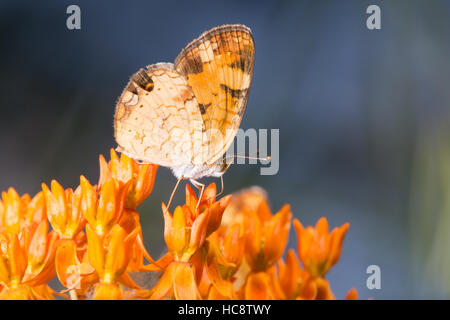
(91, 239)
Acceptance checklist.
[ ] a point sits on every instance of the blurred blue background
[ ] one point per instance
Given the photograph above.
(363, 116)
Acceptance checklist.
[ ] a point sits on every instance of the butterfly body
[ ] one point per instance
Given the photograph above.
(185, 115)
(197, 172)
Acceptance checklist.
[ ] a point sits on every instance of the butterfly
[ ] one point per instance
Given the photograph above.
(185, 115)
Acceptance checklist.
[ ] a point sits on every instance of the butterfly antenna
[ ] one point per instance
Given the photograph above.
(173, 192)
(267, 158)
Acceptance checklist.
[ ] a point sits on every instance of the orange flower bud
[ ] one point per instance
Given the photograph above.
(226, 249)
(104, 210)
(64, 210)
(110, 254)
(185, 232)
(13, 260)
(266, 236)
(41, 256)
(14, 210)
(36, 211)
(124, 170)
(318, 249)
(291, 276)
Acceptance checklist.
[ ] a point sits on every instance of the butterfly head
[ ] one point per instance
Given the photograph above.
(220, 168)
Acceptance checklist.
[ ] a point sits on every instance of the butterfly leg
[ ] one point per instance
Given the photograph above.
(173, 192)
(199, 186)
(221, 187)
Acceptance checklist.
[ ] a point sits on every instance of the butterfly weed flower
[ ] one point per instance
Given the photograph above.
(66, 218)
(96, 244)
(140, 177)
(222, 258)
(185, 233)
(293, 279)
(124, 169)
(109, 255)
(64, 210)
(265, 240)
(297, 283)
(266, 236)
(103, 207)
(109, 243)
(187, 229)
(319, 249)
(27, 248)
(227, 250)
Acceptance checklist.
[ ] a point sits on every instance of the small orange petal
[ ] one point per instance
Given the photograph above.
(104, 291)
(224, 287)
(60, 208)
(209, 195)
(191, 198)
(258, 287)
(198, 231)
(217, 210)
(14, 211)
(178, 234)
(184, 284)
(352, 294)
(18, 258)
(276, 234)
(107, 207)
(337, 238)
(4, 272)
(88, 201)
(36, 210)
(233, 249)
(105, 173)
(21, 293)
(118, 253)
(38, 245)
(165, 283)
(322, 226)
(67, 264)
(96, 252)
(264, 211)
(323, 290)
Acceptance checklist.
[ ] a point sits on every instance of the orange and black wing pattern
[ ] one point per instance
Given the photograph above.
(218, 66)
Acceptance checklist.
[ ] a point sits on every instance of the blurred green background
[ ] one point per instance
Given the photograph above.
(363, 116)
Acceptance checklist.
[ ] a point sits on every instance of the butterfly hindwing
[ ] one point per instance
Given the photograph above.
(157, 118)
(219, 66)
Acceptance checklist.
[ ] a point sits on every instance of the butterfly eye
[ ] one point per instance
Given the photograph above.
(142, 79)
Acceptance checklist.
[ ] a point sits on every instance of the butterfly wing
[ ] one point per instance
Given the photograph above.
(157, 118)
(219, 66)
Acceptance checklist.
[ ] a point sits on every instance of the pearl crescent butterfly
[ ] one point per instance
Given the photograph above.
(185, 115)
